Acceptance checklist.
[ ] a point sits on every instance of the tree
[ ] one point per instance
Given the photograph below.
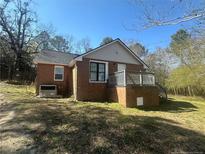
(161, 62)
(70, 43)
(187, 49)
(106, 40)
(16, 26)
(138, 49)
(154, 14)
(183, 81)
(179, 45)
(42, 41)
(83, 45)
(6, 60)
(59, 43)
(187, 78)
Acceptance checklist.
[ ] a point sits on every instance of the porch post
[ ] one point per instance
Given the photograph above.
(140, 78)
(153, 80)
(125, 78)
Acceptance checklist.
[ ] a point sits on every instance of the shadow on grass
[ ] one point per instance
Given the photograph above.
(75, 129)
(172, 106)
(15, 82)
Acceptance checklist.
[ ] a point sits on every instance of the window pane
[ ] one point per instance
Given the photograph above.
(101, 76)
(93, 76)
(59, 70)
(93, 67)
(58, 76)
(101, 67)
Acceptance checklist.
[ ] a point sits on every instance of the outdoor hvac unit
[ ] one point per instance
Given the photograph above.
(48, 91)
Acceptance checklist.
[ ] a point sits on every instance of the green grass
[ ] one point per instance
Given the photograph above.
(62, 125)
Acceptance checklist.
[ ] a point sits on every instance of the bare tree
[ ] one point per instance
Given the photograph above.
(16, 29)
(172, 12)
(137, 48)
(161, 62)
(41, 41)
(70, 42)
(83, 45)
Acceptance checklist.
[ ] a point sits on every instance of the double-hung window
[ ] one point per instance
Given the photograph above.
(58, 73)
(97, 71)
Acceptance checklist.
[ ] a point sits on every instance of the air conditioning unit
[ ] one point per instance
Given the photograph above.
(48, 91)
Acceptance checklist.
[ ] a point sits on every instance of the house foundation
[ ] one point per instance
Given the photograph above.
(134, 96)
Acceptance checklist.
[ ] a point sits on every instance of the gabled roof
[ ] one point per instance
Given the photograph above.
(63, 58)
(54, 57)
(79, 57)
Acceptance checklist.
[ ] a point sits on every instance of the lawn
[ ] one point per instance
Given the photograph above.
(33, 125)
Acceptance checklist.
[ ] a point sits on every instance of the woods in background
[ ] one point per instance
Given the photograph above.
(189, 77)
(21, 39)
(17, 22)
(181, 67)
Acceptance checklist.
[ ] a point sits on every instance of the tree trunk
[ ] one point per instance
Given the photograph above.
(192, 90)
(189, 91)
(18, 66)
(9, 73)
(174, 91)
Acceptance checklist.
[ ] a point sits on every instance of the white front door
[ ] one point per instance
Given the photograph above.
(121, 67)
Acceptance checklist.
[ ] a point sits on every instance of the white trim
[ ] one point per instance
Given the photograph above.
(56, 66)
(141, 79)
(106, 71)
(125, 80)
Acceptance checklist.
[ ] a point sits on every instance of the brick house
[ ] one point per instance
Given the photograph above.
(111, 72)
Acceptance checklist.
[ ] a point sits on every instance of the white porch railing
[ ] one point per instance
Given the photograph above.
(125, 78)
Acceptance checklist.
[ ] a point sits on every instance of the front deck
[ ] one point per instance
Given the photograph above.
(132, 89)
(127, 78)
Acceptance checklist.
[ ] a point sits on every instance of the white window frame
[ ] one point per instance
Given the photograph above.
(55, 73)
(106, 71)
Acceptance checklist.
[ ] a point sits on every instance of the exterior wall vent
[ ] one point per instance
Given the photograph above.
(140, 101)
(47, 91)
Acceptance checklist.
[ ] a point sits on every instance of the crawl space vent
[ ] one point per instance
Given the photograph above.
(139, 101)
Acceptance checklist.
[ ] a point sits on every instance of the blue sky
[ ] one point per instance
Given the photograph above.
(97, 19)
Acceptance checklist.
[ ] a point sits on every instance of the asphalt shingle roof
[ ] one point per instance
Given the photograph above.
(56, 57)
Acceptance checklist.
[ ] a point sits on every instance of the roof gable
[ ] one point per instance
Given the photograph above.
(113, 51)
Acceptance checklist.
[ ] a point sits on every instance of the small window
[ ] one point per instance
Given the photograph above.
(97, 71)
(58, 73)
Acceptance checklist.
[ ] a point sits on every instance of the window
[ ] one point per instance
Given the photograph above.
(97, 71)
(58, 73)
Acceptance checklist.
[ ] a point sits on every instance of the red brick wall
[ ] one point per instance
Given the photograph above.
(95, 91)
(88, 91)
(150, 95)
(45, 75)
(127, 96)
(117, 94)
